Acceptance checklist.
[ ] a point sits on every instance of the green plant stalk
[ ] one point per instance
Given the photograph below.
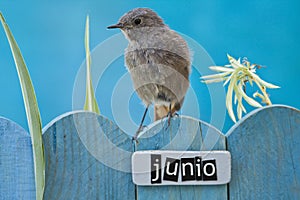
(90, 100)
(32, 112)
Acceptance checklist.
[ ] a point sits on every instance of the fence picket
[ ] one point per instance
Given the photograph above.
(265, 151)
(75, 146)
(89, 157)
(184, 133)
(16, 162)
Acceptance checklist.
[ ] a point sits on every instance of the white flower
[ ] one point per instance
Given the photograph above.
(237, 74)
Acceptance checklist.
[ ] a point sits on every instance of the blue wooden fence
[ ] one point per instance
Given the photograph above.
(89, 157)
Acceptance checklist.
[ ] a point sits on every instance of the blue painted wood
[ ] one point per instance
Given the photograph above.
(16, 162)
(265, 150)
(87, 157)
(184, 133)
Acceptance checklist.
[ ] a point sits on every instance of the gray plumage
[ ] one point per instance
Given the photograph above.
(158, 60)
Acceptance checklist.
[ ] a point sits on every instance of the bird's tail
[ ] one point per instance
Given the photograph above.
(161, 111)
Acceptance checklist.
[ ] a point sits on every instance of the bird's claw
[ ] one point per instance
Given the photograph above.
(169, 115)
(135, 137)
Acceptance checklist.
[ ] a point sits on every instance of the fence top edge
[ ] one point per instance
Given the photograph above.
(250, 114)
(157, 123)
(14, 123)
(53, 121)
(64, 115)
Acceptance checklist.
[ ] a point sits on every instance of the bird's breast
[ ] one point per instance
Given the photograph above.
(158, 76)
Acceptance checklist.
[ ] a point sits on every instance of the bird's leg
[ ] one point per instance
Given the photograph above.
(169, 114)
(141, 125)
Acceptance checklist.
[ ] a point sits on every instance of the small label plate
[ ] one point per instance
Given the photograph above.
(181, 167)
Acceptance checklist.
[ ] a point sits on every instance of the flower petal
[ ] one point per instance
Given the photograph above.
(264, 83)
(229, 99)
(221, 69)
(229, 78)
(239, 111)
(213, 76)
(216, 80)
(235, 63)
(249, 100)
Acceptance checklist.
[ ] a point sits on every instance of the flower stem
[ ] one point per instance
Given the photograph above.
(263, 90)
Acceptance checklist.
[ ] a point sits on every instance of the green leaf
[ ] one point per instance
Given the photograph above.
(90, 100)
(32, 112)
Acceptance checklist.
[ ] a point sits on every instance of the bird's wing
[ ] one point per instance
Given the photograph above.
(157, 62)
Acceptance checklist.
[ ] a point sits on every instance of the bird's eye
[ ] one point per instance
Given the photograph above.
(137, 21)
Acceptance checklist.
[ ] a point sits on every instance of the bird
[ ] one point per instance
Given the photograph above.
(158, 60)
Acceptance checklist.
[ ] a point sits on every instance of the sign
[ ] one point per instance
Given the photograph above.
(181, 167)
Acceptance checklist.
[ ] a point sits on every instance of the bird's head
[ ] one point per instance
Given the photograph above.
(137, 21)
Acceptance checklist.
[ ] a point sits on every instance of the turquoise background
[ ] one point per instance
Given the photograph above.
(50, 35)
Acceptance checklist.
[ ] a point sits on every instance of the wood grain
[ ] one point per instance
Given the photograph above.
(89, 157)
(16, 162)
(72, 172)
(184, 133)
(265, 150)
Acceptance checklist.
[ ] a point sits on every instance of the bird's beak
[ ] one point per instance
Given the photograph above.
(119, 25)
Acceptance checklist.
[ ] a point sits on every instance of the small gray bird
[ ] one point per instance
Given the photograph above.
(158, 60)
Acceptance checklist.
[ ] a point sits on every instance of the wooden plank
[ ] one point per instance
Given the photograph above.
(265, 150)
(16, 162)
(183, 134)
(87, 157)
